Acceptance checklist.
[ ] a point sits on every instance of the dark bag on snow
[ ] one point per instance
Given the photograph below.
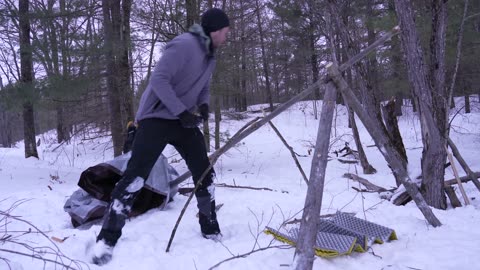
(97, 182)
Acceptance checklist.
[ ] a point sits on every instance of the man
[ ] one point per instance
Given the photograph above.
(179, 85)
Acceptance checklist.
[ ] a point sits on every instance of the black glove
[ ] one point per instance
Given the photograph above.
(189, 120)
(203, 110)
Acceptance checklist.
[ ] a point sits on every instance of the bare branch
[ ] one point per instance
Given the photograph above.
(291, 151)
(244, 255)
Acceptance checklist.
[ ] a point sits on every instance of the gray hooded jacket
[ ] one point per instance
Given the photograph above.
(181, 78)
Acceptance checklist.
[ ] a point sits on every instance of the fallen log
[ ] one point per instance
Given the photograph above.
(404, 198)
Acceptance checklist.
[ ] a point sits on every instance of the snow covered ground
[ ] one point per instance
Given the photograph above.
(36, 190)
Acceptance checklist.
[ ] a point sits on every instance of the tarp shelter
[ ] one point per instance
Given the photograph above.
(97, 182)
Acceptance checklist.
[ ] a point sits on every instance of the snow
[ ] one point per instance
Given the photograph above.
(36, 190)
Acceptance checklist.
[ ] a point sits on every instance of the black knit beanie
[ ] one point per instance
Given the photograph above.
(213, 20)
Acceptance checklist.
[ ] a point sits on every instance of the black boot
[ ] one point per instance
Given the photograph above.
(103, 248)
(209, 224)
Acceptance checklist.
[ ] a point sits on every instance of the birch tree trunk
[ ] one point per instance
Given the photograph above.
(26, 78)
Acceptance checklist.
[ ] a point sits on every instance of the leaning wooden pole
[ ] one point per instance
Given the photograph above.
(463, 163)
(380, 137)
(290, 149)
(304, 253)
(455, 173)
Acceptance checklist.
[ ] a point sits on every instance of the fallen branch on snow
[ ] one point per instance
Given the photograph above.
(366, 183)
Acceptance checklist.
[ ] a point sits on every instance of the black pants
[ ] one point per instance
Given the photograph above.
(150, 140)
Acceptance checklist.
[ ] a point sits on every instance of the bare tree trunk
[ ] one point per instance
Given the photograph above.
(153, 40)
(216, 106)
(191, 6)
(216, 102)
(5, 129)
(243, 73)
(314, 63)
(391, 125)
(434, 155)
(27, 80)
(459, 51)
(124, 64)
(397, 66)
(111, 12)
(63, 133)
(304, 254)
(61, 130)
(467, 103)
(413, 100)
(398, 104)
(367, 168)
(373, 96)
(54, 42)
(264, 58)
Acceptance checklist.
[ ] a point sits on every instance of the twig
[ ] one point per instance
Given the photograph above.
(36, 257)
(291, 151)
(363, 190)
(76, 132)
(187, 190)
(249, 253)
(346, 161)
(247, 187)
(36, 252)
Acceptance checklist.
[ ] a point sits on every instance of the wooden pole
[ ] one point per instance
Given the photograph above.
(459, 182)
(304, 254)
(464, 164)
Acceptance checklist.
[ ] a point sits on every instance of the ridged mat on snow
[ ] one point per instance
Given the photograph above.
(340, 235)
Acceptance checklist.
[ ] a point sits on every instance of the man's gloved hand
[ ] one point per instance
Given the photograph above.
(189, 120)
(203, 110)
